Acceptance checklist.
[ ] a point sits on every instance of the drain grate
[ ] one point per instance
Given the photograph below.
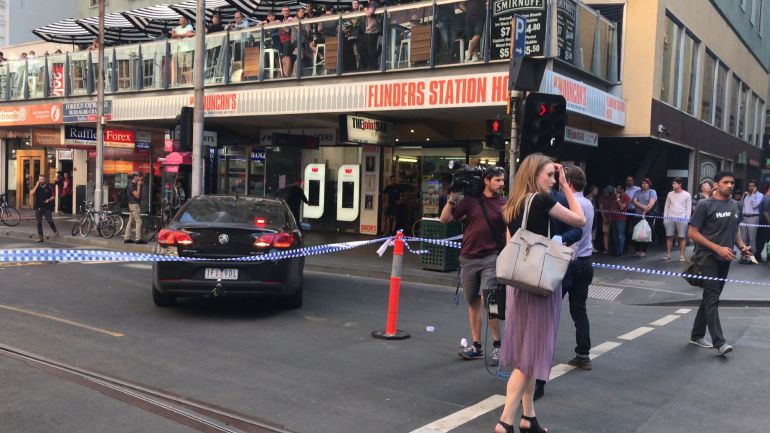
(603, 293)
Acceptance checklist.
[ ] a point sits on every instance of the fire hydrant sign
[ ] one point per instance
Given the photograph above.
(502, 13)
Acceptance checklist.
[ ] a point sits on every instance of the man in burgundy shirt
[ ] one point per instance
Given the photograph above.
(482, 242)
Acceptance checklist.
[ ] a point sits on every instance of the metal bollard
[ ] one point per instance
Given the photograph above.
(390, 332)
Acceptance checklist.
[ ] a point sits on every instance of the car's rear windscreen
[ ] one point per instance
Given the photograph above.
(241, 211)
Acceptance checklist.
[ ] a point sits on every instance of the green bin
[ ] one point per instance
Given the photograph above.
(437, 257)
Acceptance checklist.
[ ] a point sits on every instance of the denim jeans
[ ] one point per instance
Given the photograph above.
(581, 274)
(708, 312)
(618, 237)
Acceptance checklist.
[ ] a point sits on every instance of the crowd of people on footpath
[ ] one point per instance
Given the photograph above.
(710, 219)
(619, 208)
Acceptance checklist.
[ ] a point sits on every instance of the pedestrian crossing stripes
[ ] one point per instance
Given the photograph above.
(603, 293)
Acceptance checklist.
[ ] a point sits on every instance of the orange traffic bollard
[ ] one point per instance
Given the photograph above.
(390, 332)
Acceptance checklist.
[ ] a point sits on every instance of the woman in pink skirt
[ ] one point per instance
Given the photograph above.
(533, 320)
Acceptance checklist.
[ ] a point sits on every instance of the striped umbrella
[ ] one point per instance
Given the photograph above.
(66, 31)
(257, 8)
(153, 20)
(222, 7)
(117, 29)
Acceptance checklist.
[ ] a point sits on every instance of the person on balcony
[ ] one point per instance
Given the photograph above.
(239, 22)
(475, 11)
(216, 24)
(372, 28)
(285, 38)
(183, 30)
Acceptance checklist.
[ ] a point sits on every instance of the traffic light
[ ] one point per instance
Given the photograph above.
(545, 117)
(495, 136)
(184, 129)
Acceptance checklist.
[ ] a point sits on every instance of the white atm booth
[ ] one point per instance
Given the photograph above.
(315, 191)
(348, 192)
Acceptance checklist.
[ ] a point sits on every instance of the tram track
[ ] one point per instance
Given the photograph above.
(198, 415)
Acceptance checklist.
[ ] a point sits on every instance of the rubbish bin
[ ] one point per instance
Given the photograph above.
(438, 257)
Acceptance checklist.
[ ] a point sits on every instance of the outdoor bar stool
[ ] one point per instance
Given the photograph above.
(271, 68)
(461, 42)
(404, 46)
(318, 58)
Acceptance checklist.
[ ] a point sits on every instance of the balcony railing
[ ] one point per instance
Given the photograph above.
(412, 36)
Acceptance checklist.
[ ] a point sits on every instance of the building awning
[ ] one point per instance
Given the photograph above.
(117, 29)
(66, 31)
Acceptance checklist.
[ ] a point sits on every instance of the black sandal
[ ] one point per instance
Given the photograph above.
(534, 426)
(508, 428)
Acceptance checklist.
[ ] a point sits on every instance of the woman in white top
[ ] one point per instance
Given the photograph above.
(676, 215)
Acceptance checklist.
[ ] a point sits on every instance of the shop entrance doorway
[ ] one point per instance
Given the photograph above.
(31, 164)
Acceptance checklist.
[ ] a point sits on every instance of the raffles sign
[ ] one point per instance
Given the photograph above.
(369, 131)
(122, 138)
(584, 99)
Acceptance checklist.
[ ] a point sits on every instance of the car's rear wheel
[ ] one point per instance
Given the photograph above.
(162, 299)
(293, 301)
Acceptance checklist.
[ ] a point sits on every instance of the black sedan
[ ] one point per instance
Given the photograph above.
(213, 228)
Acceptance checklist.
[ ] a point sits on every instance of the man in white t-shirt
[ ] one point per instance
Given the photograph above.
(183, 30)
(676, 214)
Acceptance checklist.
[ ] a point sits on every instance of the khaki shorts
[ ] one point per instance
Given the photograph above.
(675, 228)
(477, 274)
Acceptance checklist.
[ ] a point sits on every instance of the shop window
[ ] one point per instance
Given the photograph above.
(751, 115)
(707, 90)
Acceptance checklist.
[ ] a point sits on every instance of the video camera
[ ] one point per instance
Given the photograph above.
(467, 180)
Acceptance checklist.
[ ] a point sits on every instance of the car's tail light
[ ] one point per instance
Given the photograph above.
(274, 240)
(173, 238)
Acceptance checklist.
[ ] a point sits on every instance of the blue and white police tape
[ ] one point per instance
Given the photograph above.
(673, 274)
(677, 219)
(71, 255)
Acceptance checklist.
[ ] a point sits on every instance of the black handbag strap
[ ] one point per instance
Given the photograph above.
(498, 241)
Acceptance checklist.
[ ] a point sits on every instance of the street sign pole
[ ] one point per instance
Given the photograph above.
(518, 41)
(99, 187)
(198, 107)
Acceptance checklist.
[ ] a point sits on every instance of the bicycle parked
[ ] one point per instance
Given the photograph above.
(106, 223)
(9, 215)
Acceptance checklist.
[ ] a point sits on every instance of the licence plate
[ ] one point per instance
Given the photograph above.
(221, 274)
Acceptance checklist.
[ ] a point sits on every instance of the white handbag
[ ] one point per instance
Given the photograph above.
(531, 262)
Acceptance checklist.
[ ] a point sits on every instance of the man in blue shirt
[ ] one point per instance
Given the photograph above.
(569, 235)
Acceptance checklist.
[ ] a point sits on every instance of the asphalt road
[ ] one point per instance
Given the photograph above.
(317, 369)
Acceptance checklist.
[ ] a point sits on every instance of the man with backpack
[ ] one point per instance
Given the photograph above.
(133, 192)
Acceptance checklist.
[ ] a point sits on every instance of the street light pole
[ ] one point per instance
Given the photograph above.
(100, 114)
(198, 113)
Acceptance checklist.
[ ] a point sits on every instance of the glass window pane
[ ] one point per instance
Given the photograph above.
(587, 31)
(707, 90)
(742, 104)
(719, 105)
(670, 56)
(689, 73)
(735, 89)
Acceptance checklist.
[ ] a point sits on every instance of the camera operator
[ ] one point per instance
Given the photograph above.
(484, 238)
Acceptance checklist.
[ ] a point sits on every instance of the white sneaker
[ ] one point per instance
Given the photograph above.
(475, 58)
(701, 342)
(467, 56)
(725, 349)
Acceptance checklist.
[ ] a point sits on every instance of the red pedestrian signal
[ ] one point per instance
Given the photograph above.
(495, 137)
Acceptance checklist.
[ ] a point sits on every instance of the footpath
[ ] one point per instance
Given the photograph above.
(621, 286)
